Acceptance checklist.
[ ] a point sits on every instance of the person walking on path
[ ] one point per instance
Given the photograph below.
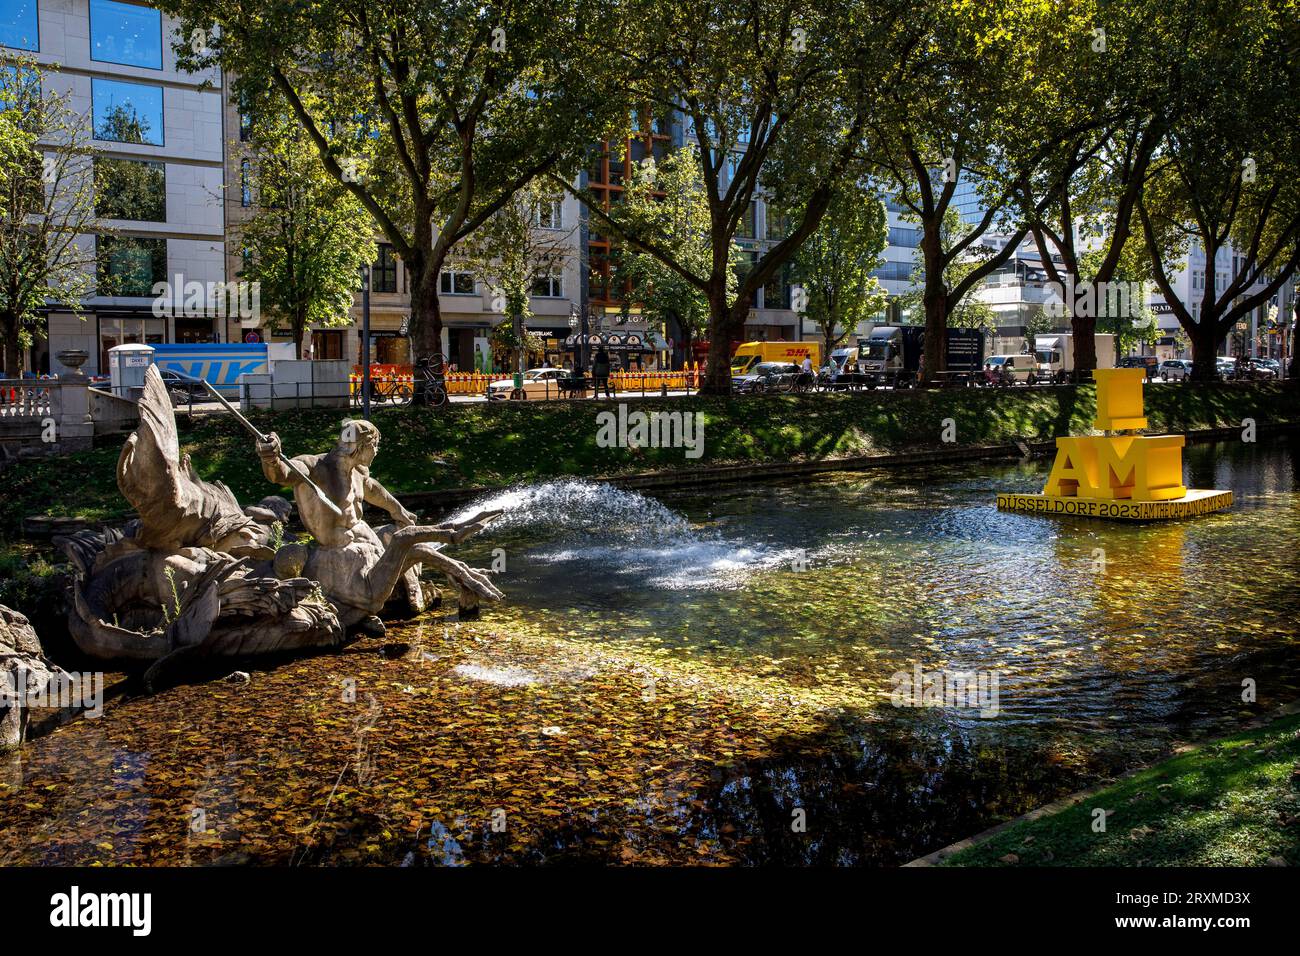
(600, 374)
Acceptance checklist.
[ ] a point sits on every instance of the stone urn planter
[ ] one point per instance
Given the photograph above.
(73, 358)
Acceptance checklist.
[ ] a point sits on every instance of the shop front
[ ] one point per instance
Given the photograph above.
(628, 351)
(553, 332)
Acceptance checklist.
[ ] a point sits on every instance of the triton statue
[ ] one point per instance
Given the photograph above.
(358, 566)
(197, 576)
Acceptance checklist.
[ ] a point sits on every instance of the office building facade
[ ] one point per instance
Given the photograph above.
(154, 124)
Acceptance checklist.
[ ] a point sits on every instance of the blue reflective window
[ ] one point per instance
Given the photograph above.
(19, 29)
(125, 33)
(127, 112)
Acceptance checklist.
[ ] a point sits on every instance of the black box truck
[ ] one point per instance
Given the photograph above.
(891, 355)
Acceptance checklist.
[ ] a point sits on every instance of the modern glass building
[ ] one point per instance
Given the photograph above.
(153, 127)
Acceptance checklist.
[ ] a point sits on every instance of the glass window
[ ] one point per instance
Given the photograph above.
(776, 224)
(904, 236)
(776, 292)
(550, 214)
(245, 183)
(19, 28)
(130, 189)
(747, 230)
(596, 166)
(548, 287)
(125, 33)
(127, 112)
(130, 266)
(456, 283)
(384, 271)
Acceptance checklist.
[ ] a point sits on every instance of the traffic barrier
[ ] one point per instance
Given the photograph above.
(476, 383)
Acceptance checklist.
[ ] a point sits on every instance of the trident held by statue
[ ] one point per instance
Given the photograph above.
(263, 438)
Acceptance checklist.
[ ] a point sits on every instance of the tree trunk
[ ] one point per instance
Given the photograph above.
(1084, 328)
(717, 370)
(426, 313)
(723, 324)
(299, 333)
(13, 358)
(935, 299)
(1205, 346)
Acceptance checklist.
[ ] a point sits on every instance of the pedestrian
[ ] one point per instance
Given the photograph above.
(600, 374)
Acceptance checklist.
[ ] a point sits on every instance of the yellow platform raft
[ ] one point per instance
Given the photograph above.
(1127, 477)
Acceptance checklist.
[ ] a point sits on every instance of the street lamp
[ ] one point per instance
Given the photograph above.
(573, 331)
(365, 342)
(578, 322)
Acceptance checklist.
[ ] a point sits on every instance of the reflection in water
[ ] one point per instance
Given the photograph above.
(673, 678)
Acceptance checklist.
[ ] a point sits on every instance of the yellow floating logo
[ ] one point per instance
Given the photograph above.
(1133, 477)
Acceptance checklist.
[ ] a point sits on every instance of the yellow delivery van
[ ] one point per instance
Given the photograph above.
(751, 353)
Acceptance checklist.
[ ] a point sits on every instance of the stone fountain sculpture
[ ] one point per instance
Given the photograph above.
(359, 566)
(197, 576)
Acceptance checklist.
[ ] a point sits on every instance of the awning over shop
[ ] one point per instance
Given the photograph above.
(611, 342)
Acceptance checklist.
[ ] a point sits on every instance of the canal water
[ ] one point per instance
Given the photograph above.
(731, 675)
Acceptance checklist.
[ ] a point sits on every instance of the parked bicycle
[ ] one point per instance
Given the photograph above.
(392, 390)
(431, 382)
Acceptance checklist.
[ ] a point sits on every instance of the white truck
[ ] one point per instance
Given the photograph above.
(1054, 355)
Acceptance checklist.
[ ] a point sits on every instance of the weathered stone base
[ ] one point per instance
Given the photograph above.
(1197, 501)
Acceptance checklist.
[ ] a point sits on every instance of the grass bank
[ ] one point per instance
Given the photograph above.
(480, 445)
(1235, 802)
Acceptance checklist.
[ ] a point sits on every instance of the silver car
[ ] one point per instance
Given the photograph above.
(1175, 370)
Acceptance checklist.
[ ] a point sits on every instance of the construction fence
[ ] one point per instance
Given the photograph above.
(385, 377)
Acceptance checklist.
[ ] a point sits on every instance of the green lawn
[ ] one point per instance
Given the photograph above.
(472, 445)
(1235, 802)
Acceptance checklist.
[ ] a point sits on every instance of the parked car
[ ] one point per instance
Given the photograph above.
(1242, 369)
(183, 389)
(1010, 369)
(1175, 370)
(539, 383)
(1149, 362)
(1262, 368)
(767, 377)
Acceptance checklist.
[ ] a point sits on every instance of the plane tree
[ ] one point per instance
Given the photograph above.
(47, 201)
(1080, 201)
(986, 102)
(1226, 182)
(775, 95)
(431, 115)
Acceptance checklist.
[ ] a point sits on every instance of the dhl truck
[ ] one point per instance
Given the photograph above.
(749, 354)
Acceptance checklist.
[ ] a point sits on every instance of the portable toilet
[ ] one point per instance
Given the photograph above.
(127, 365)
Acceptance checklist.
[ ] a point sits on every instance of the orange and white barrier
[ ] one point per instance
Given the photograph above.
(476, 383)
